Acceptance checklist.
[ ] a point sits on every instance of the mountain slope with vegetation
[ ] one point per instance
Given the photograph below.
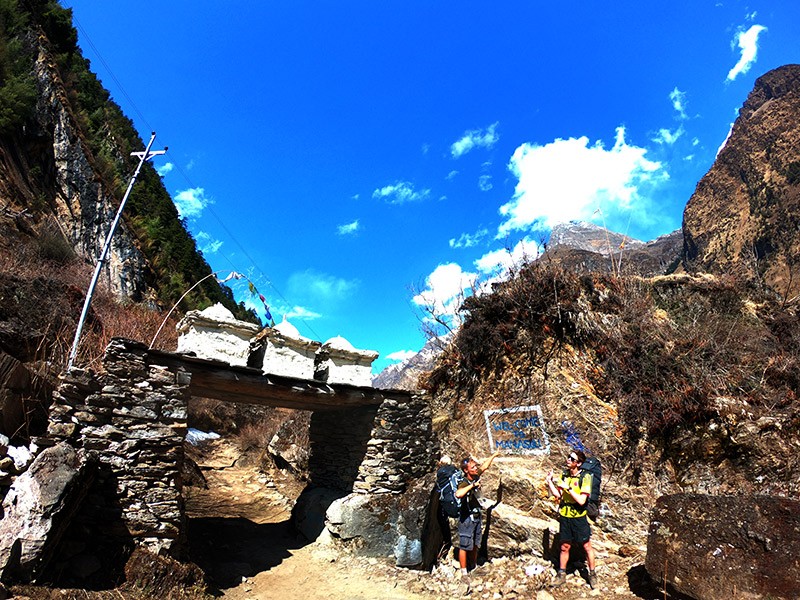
(65, 163)
(685, 380)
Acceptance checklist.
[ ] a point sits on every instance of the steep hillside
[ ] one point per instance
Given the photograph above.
(744, 216)
(685, 382)
(65, 163)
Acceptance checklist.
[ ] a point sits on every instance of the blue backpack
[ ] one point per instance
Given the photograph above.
(592, 466)
(447, 479)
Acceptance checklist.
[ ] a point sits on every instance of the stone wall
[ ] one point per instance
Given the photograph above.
(131, 419)
(130, 422)
(373, 450)
(402, 446)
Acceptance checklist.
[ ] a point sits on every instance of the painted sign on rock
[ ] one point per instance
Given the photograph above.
(517, 430)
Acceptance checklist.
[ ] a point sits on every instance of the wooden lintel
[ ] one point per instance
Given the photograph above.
(221, 381)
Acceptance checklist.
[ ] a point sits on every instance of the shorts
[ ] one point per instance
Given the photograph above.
(574, 529)
(469, 533)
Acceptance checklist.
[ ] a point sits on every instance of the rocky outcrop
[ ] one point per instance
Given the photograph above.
(744, 215)
(37, 510)
(65, 184)
(718, 547)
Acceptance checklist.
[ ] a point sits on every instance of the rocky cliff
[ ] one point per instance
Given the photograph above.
(744, 216)
(48, 172)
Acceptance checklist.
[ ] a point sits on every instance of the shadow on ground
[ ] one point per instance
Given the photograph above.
(228, 549)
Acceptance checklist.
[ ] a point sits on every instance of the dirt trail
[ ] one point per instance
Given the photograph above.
(239, 534)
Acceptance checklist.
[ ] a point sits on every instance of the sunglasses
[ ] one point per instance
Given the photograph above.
(572, 458)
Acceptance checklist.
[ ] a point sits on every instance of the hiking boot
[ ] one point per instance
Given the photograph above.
(593, 579)
(464, 588)
(561, 578)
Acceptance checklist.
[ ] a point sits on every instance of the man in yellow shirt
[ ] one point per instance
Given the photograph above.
(573, 493)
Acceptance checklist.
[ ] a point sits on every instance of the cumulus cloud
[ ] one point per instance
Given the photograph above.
(400, 355)
(165, 168)
(468, 240)
(348, 228)
(569, 179)
(400, 192)
(207, 244)
(445, 288)
(498, 263)
(190, 203)
(748, 47)
(451, 174)
(485, 183)
(678, 99)
(476, 138)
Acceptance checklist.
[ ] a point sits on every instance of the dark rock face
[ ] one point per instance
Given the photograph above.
(744, 215)
(722, 547)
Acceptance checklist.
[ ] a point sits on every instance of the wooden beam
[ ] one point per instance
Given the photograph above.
(215, 379)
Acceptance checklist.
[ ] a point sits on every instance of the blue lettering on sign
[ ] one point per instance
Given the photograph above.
(517, 444)
(517, 425)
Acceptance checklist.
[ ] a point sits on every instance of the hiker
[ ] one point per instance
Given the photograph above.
(469, 519)
(573, 493)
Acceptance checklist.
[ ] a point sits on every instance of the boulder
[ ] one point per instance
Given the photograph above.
(719, 547)
(308, 513)
(38, 508)
(511, 532)
(367, 521)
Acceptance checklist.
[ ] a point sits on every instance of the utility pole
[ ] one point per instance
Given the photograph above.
(143, 156)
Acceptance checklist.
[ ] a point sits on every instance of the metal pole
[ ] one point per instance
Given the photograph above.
(143, 156)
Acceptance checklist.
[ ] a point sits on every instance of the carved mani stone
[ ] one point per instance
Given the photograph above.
(723, 547)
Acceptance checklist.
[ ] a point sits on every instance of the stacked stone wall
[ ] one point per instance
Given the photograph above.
(131, 420)
(402, 446)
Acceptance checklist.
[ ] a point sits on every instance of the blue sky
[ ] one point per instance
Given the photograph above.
(361, 160)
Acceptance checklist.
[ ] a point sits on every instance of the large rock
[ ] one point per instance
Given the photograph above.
(38, 508)
(708, 546)
(511, 532)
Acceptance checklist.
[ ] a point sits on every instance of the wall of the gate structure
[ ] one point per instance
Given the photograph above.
(132, 421)
(373, 449)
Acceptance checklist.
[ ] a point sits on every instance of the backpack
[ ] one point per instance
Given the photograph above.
(592, 466)
(447, 478)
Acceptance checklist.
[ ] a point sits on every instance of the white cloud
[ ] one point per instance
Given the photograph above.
(190, 203)
(400, 355)
(165, 168)
(299, 312)
(485, 183)
(498, 263)
(667, 137)
(468, 240)
(445, 288)
(207, 244)
(348, 228)
(451, 174)
(476, 138)
(678, 99)
(725, 141)
(400, 193)
(748, 45)
(568, 179)
(320, 286)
